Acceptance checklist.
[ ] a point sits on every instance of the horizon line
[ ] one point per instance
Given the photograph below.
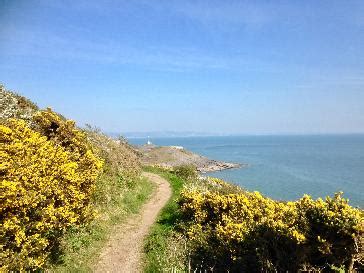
(239, 134)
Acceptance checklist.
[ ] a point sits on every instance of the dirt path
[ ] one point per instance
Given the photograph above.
(123, 253)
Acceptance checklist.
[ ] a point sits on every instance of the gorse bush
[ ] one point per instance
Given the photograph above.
(48, 175)
(61, 131)
(248, 232)
(51, 187)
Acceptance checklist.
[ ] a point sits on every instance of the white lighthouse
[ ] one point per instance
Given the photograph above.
(149, 142)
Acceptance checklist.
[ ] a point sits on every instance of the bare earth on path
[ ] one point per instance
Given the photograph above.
(123, 252)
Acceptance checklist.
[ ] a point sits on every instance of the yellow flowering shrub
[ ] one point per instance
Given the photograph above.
(61, 131)
(248, 232)
(47, 179)
(334, 228)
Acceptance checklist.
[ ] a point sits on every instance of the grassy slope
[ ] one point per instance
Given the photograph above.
(160, 237)
(81, 246)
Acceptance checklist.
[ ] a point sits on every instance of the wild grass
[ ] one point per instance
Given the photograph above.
(165, 247)
(115, 200)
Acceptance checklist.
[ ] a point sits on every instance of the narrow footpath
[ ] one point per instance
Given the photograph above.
(124, 251)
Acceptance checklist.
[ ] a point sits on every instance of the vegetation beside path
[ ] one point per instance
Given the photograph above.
(124, 250)
(158, 253)
(211, 225)
(82, 245)
(73, 186)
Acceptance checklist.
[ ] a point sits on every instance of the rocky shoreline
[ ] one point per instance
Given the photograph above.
(214, 166)
(172, 156)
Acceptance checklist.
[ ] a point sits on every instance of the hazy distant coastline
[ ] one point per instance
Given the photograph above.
(163, 134)
(174, 134)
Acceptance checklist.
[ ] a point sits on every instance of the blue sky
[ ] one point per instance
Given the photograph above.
(230, 67)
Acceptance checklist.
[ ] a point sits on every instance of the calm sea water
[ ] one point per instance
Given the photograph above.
(286, 167)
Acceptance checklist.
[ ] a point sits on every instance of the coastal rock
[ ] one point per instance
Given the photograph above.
(172, 156)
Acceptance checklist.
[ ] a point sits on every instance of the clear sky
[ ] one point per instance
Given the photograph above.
(232, 67)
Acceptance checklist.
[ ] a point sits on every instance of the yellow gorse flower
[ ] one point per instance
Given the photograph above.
(46, 181)
(231, 226)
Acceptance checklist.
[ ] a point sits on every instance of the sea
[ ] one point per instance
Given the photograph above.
(285, 167)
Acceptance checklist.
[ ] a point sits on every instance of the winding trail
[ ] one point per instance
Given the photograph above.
(123, 253)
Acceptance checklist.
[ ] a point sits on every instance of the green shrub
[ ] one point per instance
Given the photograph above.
(186, 172)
